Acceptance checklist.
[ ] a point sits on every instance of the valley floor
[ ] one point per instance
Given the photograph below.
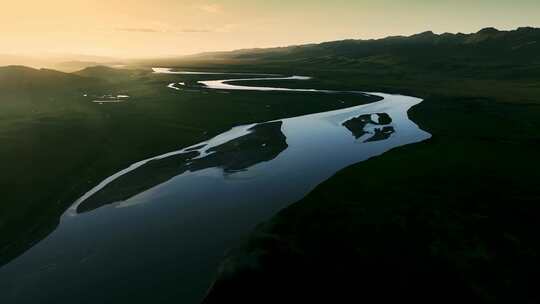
(450, 219)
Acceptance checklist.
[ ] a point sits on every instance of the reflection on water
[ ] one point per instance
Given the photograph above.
(263, 143)
(156, 231)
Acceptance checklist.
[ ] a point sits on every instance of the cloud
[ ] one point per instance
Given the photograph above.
(227, 28)
(211, 8)
(152, 30)
(196, 30)
(139, 30)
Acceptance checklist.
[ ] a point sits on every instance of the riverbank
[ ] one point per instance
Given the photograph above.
(448, 219)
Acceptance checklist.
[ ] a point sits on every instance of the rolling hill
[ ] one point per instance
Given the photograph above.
(21, 78)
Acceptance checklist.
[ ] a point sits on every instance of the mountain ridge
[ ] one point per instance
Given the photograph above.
(487, 54)
(426, 37)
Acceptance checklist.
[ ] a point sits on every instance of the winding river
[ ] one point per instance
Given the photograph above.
(158, 229)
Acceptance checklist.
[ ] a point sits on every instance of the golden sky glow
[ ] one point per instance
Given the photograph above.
(135, 28)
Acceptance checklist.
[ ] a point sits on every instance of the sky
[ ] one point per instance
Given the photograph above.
(155, 28)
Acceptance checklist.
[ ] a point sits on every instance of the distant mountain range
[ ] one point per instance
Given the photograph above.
(521, 44)
(62, 62)
(488, 53)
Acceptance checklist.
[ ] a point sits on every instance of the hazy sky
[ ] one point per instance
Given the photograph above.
(134, 28)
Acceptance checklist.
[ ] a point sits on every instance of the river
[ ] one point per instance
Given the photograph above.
(157, 230)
